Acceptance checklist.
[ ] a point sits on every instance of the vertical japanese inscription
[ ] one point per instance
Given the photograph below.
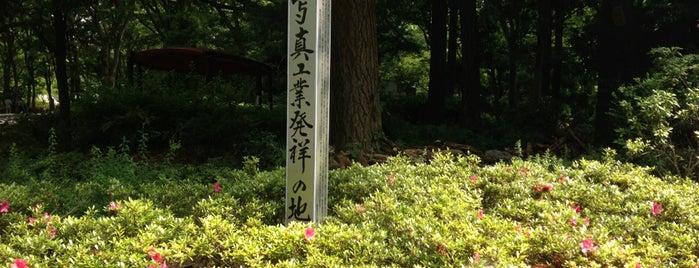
(308, 86)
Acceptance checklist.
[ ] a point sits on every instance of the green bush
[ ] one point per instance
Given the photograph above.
(659, 114)
(452, 211)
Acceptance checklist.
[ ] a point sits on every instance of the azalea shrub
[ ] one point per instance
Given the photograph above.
(448, 211)
(658, 114)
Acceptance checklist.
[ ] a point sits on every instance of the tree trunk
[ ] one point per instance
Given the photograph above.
(49, 83)
(9, 66)
(436, 96)
(470, 49)
(557, 58)
(452, 46)
(542, 72)
(618, 61)
(6, 77)
(355, 112)
(111, 38)
(31, 79)
(512, 71)
(60, 54)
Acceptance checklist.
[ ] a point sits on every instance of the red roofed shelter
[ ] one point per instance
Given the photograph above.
(206, 62)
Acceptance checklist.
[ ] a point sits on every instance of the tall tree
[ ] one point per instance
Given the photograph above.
(436, 96)
(109, 23)
(452, 47)
(557, 53)
(617, 59)
(60, 55)
(542, 72)
(355, 113)
(514, 19)
(470, 40)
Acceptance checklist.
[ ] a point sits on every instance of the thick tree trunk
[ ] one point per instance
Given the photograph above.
(355, 112)
(470, 49)
(452, 47)
(543, 53)
(436, 96)
(618, 60)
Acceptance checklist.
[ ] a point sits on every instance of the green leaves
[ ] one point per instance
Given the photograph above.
(658, 114)
(450, 211)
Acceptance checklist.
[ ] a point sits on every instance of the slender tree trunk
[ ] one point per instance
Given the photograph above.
(470, 49)
(6, 76)
(513, 96)
(49, 82)
(355, 112)
(31, 79)
(60, 55)
(543, 53)
(9, 66)
(436, 96)
(557, 58)
(73, 69)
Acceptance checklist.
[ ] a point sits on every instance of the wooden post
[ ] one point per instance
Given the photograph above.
(308, 94)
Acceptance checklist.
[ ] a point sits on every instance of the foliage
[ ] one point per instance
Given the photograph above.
(203, 119)
(661, 114)
(452, 211)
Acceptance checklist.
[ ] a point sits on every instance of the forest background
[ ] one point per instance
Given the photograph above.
(489, 74)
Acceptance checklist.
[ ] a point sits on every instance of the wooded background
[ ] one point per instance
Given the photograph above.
(543, 65)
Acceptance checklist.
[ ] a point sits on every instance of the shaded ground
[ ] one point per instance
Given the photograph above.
(8, 118)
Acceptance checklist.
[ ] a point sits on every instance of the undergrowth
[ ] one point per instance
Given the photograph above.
(450, 211)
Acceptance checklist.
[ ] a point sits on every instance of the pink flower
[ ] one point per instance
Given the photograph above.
(113, 206)
(657, 208)
(217, 187)
(310, 233)
(473, 178)
(576, 208)
(442, 249)
(638, 265)
(19, 263)
(548, 187)
(155, 256)
(588, 246)
(586, 221)
(32, 221)
(480, 214)
(573, 222)
(360, 208)
(47, 216)
(523, 171)
(52, 232)
(4, 206)
(563, 179)
(164, 265)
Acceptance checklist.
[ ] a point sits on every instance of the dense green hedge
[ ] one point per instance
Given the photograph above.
(445, 211)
